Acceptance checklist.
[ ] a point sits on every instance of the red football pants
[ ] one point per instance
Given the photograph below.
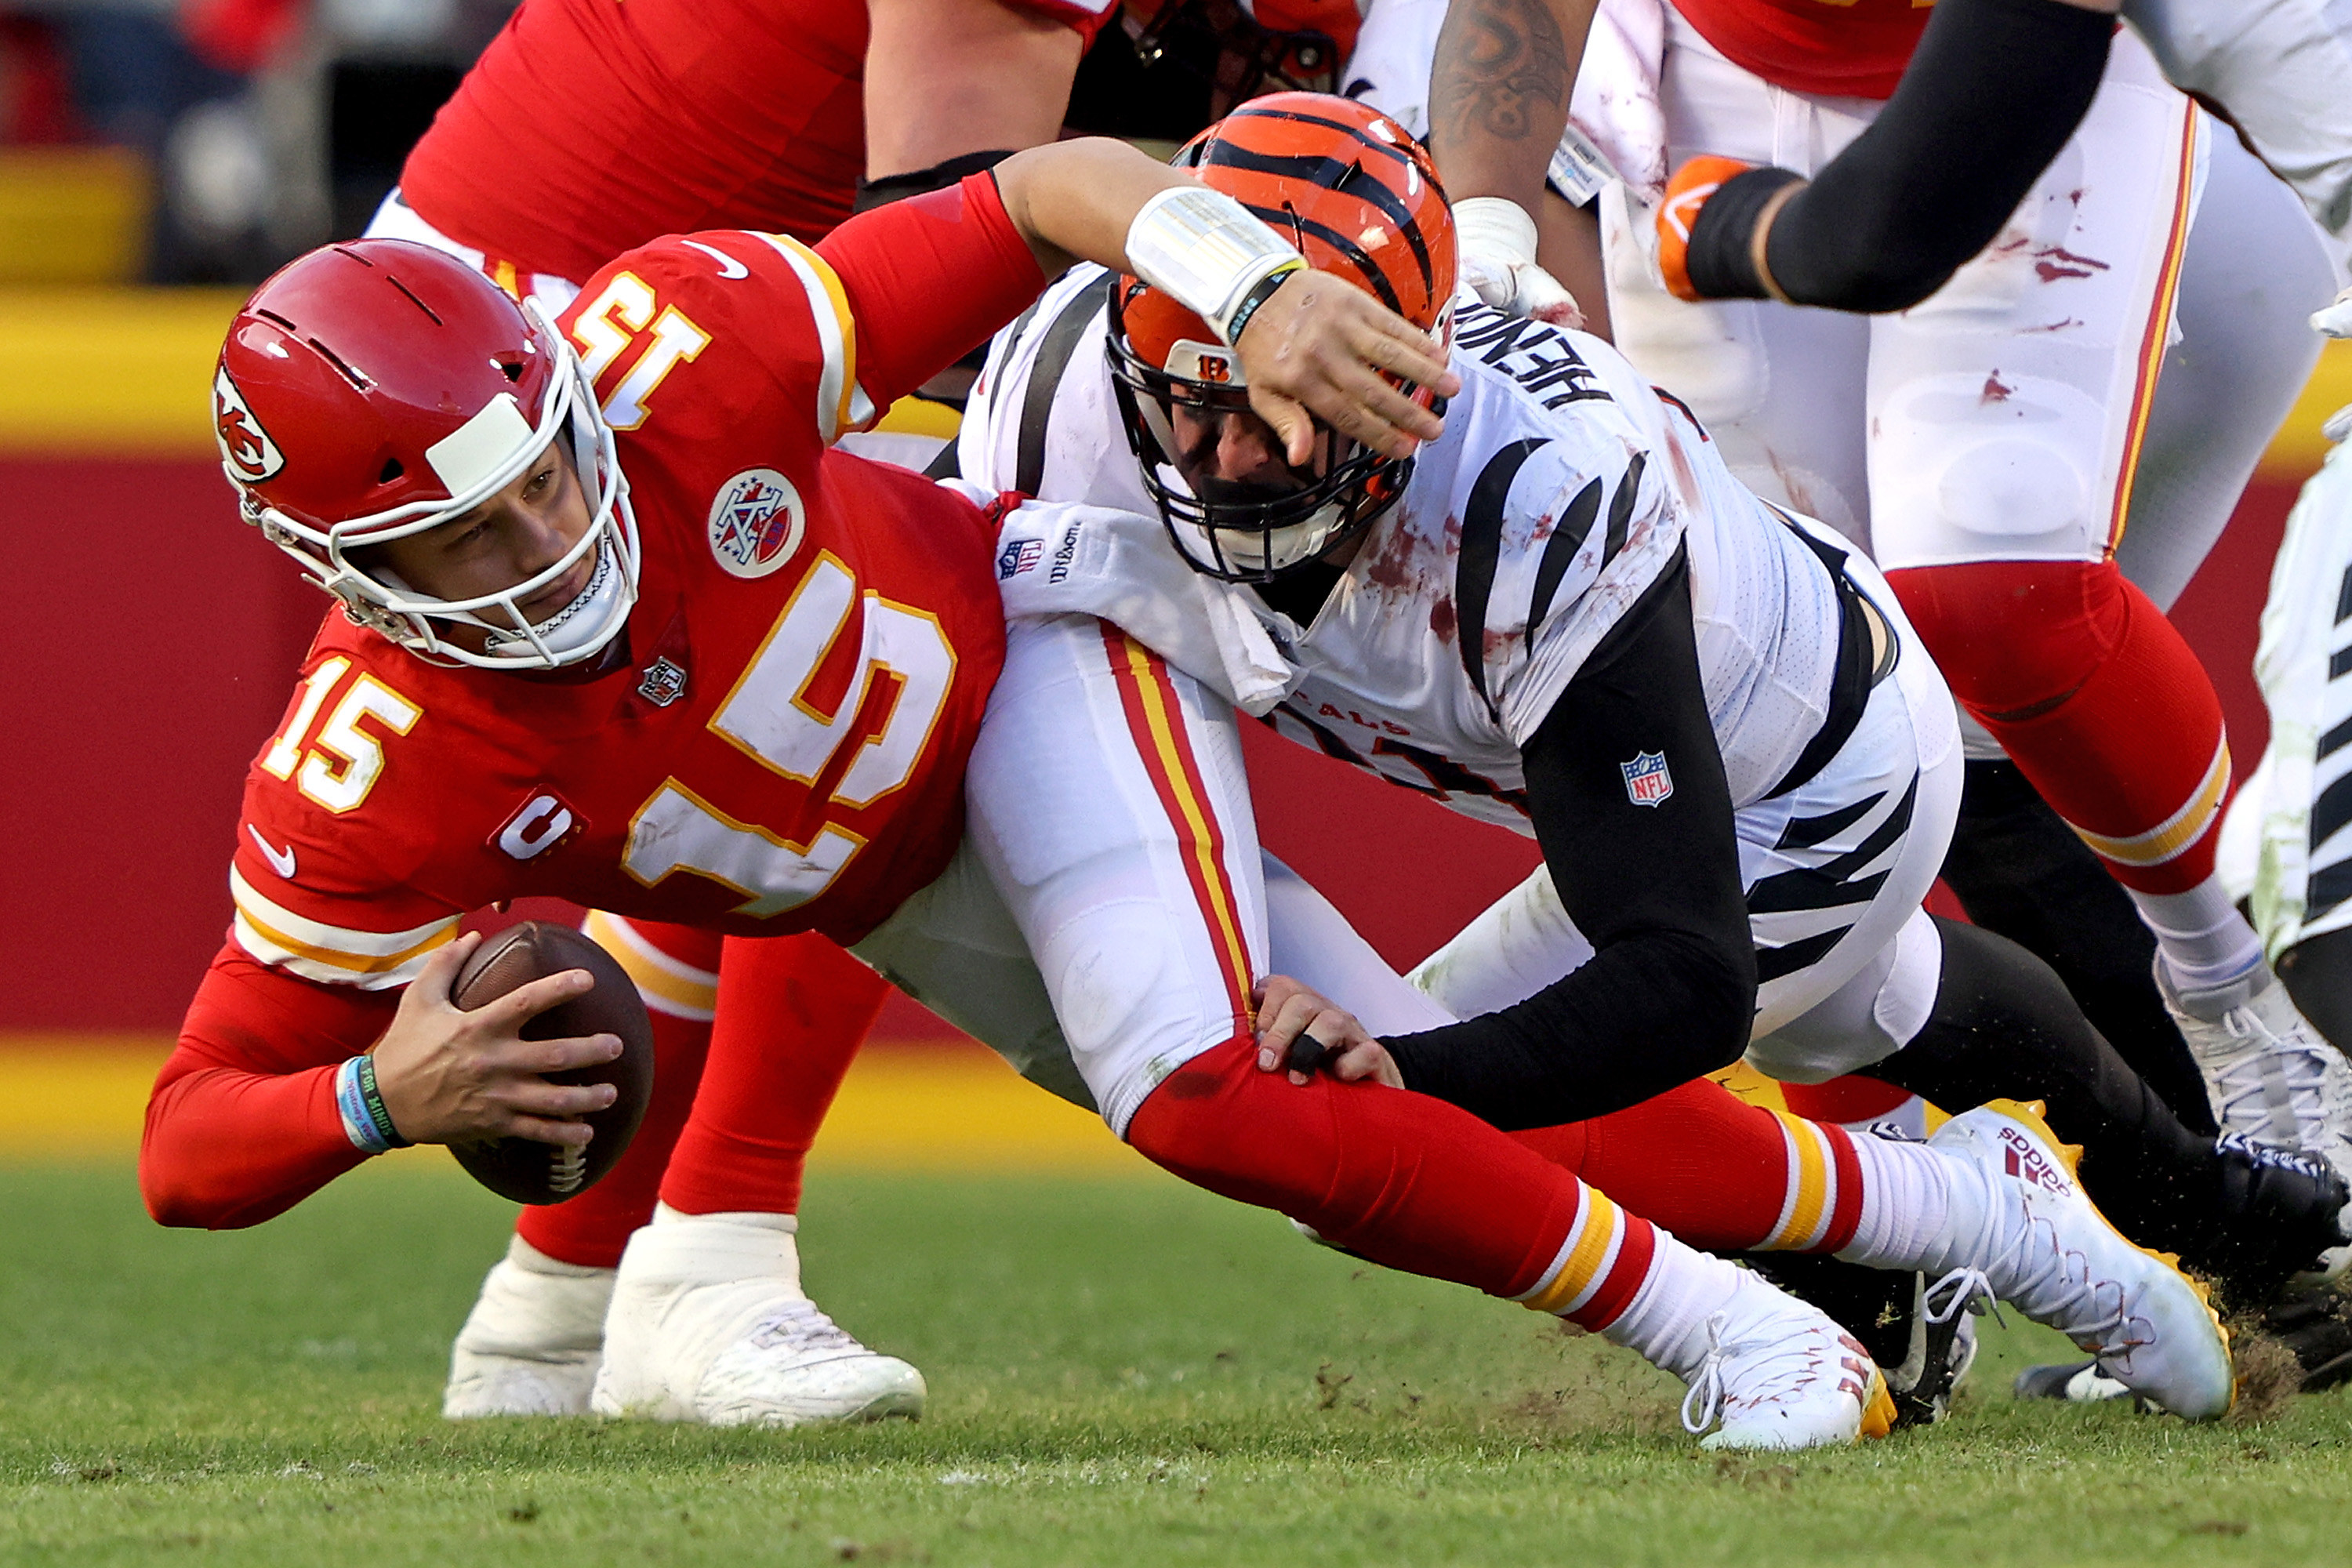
(2094, 696)
(736, 1103)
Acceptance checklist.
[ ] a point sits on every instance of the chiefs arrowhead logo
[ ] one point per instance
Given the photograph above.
(244, 445)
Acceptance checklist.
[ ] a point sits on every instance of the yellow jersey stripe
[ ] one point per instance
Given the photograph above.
(666, 984)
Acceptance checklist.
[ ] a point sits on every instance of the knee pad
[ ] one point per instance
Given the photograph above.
(1965, 467)
(2016, 637)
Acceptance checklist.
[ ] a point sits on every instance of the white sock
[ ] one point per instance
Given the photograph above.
(2201, 938)
(531, 1261)
(751, 1219)
(1665, 1323)
(1907, 1203)
(714, 1248)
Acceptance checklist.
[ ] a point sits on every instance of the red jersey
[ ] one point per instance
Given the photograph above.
(1839, 48)
(781, 748)
(590, 126)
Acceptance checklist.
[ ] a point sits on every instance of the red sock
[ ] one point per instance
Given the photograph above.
(791, 1012)
(2094, 696)
(1405, 1180)
(591, 1229)
(1717, 1170)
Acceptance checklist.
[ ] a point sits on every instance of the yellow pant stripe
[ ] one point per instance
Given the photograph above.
(2184, 828)
(1592, 1247)
(1809, 1184)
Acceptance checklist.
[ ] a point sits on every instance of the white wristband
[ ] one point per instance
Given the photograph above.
(1203, 249)
(1495, 229)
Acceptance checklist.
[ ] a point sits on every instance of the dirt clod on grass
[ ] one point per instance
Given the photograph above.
(2269, 1377)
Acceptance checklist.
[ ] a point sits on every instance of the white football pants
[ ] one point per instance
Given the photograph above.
(1110, 909)
(1998, 419)
(1835, 872)
(2281, 68)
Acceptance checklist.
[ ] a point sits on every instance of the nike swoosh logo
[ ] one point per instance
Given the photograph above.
(728, 266)
(281, 860)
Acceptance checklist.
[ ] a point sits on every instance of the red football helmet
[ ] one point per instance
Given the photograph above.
(1359, 198)
(377, 389)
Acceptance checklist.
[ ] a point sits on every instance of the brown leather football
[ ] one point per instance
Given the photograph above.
(523, 1168)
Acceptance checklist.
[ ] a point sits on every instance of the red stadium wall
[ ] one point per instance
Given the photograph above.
(150, 648)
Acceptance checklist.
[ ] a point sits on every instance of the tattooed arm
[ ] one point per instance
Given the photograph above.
(1498, 97)
(1498, 93)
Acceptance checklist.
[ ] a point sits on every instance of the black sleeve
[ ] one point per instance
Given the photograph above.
(1671, 990)
(1993, 91)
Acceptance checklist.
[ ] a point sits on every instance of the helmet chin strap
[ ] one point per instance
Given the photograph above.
(570, 635)
(573, 632)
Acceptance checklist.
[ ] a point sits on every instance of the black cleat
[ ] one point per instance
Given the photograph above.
(2318, 1329)
(2278, 1212)
(1922, 1360)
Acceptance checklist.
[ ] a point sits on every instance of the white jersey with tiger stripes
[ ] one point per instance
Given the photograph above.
(1562, 488)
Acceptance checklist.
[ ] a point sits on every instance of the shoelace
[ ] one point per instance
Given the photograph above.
(1787, 1363)
(1968, 1286)
(2270, 1076)
(2104, 1336)
(799, 1327)
(1706, 1388)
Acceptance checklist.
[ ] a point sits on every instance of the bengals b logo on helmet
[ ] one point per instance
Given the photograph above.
(246, 448)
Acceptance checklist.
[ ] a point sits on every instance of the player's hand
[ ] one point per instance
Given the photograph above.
(449, 1077)
(1287, 1012)
(1522, 288)
(1315, 350)
(1686, 193)
(1497, 260)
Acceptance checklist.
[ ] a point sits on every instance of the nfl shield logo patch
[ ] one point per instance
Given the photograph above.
(1018, 555)
(755, 523)
(664, 682)
(1647, 780)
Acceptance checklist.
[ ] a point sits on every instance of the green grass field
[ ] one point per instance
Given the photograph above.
(1122, 1371)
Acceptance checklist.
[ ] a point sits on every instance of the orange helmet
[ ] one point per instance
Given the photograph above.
(1360, 199)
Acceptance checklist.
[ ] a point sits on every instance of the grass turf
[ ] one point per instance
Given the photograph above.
(1121, 1372)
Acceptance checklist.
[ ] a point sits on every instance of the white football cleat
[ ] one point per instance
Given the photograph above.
(1781, 1374)
(708, 1323)
(2272, 1078)
(2031, 1237)
(533, 1343)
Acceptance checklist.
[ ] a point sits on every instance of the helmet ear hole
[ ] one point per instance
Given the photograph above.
(513, 368)
(392, 470)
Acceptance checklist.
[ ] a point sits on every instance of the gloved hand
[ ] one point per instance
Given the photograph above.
(1495, 242)
(1686, 193)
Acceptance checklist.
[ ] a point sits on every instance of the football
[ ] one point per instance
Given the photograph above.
(523, 1168)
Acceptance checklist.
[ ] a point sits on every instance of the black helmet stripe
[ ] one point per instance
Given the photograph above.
(1331, 175)
(1354, 132)
(1280, 221)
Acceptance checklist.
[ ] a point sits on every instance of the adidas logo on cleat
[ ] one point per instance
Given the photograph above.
(2025, 1161)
